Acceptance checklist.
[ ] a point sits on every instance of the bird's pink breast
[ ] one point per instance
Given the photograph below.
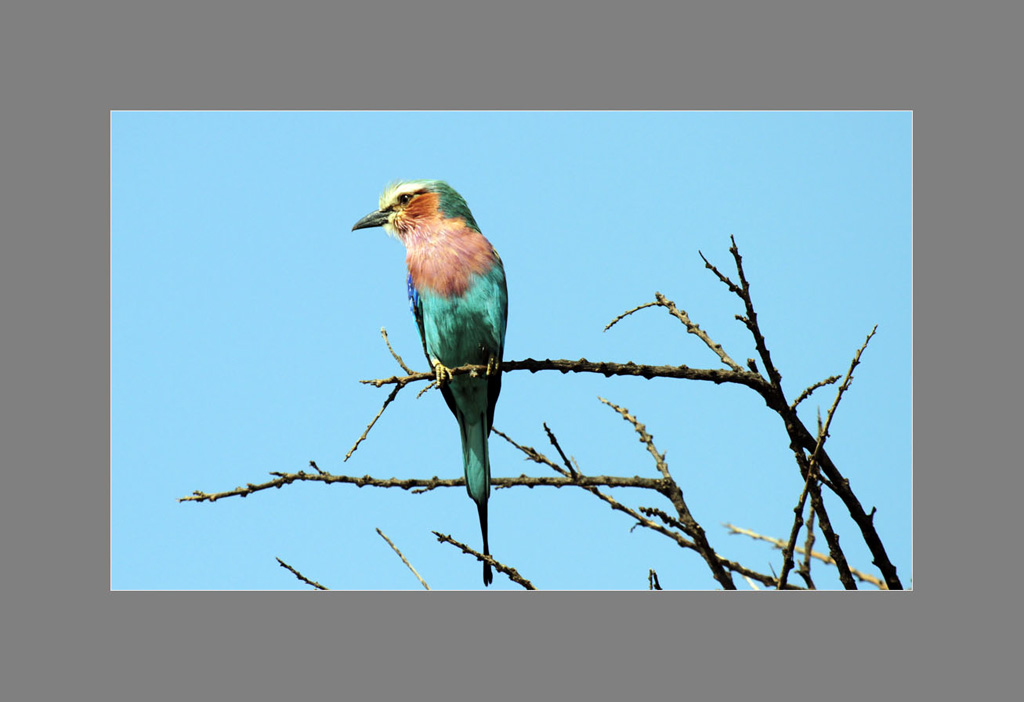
(444, 258)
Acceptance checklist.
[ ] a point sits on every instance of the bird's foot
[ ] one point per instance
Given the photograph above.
(492, 364)
(442, 373)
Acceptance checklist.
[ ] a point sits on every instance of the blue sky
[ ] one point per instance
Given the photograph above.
(244, 311)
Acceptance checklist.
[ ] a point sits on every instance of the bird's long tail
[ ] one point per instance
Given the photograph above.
(477, 467)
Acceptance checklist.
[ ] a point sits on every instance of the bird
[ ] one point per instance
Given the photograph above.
(459, 298)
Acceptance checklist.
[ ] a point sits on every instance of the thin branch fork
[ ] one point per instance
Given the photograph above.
(750, 320)
(779, 543)
(812, 477)
(691, 327)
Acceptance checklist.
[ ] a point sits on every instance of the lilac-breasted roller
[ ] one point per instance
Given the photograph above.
(457, 293)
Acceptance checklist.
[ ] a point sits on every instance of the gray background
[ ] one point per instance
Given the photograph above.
(64, 66)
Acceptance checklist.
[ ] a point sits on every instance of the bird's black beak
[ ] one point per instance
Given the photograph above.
(374, 219)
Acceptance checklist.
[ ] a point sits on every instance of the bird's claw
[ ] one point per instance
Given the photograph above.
(442, 373)
(492, 365)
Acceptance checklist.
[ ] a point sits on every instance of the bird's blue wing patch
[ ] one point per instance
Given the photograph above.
(414, 297)
(417, 312)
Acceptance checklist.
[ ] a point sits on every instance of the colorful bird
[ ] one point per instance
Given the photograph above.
(457, 293)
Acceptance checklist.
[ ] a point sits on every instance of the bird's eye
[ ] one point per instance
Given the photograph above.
(404, 198)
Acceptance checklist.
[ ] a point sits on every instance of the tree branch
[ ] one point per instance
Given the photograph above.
(672, 491)
(511, 572)
(421, 485)
(301, 577)
(801, 439)
(691, 327)
(406, 562)
(607, 369)
(811, 482)
(779, 543)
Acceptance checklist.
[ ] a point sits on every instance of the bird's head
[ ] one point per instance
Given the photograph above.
(411, 205)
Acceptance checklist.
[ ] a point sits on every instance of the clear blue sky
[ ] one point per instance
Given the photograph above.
(244, 311)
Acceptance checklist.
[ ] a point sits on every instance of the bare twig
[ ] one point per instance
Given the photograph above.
(301, 577)
(823, 433)
(511, 572)
(384, 333)
(554, 442)
(805, 568)
(824, 558)
(314, 466)
(807, 392)
(627, 313)
(406, 562)
(787, 552)
(691, 327)
(429, 386)
(750, 320)
(672, 491)
(373, 421)
(645, 438)
(652, 580)
(667, 518)
(694, 328)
